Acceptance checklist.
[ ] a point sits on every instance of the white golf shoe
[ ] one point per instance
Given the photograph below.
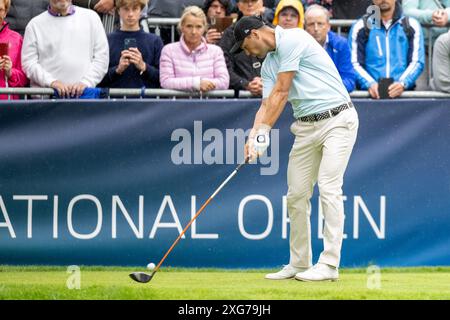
(319, 272)
(288, 272)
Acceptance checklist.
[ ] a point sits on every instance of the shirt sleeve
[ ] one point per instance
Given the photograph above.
(100, 60)
(290, 52)
(30, 59)
(417, 62)
(441, 57)
(267, 80)
(412, 8)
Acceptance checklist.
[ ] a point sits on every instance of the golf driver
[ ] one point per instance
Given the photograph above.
(143, 277)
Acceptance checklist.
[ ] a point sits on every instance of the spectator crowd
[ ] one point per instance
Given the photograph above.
(62, 44)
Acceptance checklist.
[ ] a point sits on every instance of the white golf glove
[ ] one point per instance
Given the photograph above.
(258, 141)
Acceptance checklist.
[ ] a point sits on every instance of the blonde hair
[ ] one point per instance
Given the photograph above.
(195, 12)
(124, 3)
(7, 4)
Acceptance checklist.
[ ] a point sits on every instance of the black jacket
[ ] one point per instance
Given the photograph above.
(242, 68)
(350, 9)
(170, 8)
(22, 11)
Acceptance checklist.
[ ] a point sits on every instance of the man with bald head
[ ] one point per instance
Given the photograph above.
(317, 24)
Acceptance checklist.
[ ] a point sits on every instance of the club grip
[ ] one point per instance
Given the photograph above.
(245, 162)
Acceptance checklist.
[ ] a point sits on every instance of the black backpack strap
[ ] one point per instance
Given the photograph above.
(409, 31)
(366, 25)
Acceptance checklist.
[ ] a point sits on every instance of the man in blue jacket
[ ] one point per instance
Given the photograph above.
(317, 24)
(393, 49)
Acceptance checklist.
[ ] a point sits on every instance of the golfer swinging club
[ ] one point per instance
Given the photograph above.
(297, 69)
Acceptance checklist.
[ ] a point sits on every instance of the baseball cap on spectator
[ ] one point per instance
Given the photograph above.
(243, 28)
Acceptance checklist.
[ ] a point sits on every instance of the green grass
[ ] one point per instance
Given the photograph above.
(41, 282)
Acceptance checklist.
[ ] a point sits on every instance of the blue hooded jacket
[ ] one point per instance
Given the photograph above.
(392, 53)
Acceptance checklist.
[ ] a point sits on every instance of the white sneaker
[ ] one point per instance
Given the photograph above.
(319, 272)
(288, 272)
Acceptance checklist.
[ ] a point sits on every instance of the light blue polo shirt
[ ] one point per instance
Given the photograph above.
(317, 85)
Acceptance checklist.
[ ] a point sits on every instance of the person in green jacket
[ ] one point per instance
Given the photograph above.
(435, 12)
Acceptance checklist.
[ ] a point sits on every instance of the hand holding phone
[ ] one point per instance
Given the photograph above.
(396, 90)
(440, 18)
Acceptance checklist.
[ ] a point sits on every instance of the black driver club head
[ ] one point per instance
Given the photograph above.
(141, 277)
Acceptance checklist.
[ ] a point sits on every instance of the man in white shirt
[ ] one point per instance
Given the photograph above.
(65, 48)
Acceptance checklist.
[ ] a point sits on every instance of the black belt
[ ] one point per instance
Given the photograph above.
(327, 114)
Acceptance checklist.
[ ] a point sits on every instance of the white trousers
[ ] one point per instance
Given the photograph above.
(320, 154)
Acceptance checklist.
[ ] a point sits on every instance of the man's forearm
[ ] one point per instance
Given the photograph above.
(273, 106)
(259, 116)
(271, 110)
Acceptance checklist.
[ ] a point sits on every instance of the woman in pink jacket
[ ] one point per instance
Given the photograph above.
(192, 64)
(11, 73)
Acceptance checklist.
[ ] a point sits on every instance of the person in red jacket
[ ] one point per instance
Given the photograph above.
(11, 73)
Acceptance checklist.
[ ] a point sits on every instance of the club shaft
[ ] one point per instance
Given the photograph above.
(223, 184)
(198, 213)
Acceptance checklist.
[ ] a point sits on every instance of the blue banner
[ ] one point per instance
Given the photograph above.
(114, 182)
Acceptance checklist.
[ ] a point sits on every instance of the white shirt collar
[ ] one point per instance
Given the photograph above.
(327, 40)
(387, 24)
